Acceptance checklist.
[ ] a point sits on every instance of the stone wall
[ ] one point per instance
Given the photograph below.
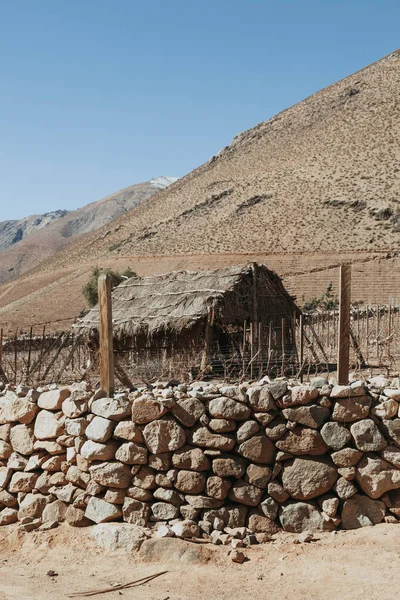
(203, 460)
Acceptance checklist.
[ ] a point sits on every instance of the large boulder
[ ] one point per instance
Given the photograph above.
(164, 436)
(376, 476)
(306, 478)
(367, 436)
(258, 449)
(361, 511)
(302, 440)
(301, 516)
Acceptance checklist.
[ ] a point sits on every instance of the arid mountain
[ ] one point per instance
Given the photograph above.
(314, 186)
(27, 242)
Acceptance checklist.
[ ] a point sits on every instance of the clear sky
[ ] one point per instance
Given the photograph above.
(96, 95)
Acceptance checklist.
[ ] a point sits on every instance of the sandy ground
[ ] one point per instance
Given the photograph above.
(363, 564)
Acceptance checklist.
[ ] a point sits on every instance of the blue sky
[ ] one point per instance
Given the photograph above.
(96, 95)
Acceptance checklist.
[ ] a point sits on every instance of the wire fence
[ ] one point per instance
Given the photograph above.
(38, 356)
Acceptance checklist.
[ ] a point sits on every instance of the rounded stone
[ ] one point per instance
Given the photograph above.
(335, 435)
(306, 478)
(164, 436)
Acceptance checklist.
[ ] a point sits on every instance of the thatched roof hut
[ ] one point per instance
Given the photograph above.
(196, 312)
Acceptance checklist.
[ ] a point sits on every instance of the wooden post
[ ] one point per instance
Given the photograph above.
(244, 349)
(344, 324)
(251, 349)
(283, 346)
(15, 356)
(301, 353)
(207, 339)
(28, 365)
(106, 335)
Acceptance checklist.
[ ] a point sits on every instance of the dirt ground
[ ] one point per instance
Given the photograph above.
(362, 564)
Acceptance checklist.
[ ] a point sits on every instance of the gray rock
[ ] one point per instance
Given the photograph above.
(270, 508)
(361, 511)
(206, 439)
(310, 416)
(347, 391)
(348, 457)
(48, 425)
(245, 493)
(126, 430)
(277, 492)
(246, 431)
(393, 429)
(146, 409)
(335, 435)
(55, 511)
(118, 536)
(386, 409)
(100, 429)
(136, 512)
(258, 449)
(111, 474)
(53, 399)
(100, 511)
(96, 451)
(300, 395)
(344, 489)
(261, 399)
(186, 529)
(164, 511)
(302, 440)
(116, 409)
(131, 454)
(367, 436)
(16, 410)
(375, 476)
(306, 478)
(191, 458)
(347, 410)
(188, 411)
(164, 436)
(301, 516)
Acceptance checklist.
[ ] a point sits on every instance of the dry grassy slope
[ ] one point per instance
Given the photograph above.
(299, 192)
(52, 235)
(310, 179)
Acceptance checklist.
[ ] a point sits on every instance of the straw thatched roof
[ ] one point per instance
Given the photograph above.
(174, 301)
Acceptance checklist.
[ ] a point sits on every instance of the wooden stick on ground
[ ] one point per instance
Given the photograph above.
(117, 587)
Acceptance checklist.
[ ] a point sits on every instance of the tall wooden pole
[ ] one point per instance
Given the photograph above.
(301, 353)
(344, 324)
(106, 335)
(207, 339)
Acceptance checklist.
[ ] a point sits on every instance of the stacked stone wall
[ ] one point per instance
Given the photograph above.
(203, 459)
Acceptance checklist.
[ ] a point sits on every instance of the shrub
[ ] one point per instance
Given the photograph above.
(89, 290)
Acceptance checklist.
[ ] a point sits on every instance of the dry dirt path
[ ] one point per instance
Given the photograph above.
(363, 564)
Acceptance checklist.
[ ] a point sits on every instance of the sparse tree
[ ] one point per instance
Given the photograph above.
(89, 290)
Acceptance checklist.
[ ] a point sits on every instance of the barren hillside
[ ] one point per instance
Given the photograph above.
(26, 242)
(316, 185)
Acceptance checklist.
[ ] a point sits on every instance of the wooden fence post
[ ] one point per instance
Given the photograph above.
(344, 324)
(106, 335)
(301, 353)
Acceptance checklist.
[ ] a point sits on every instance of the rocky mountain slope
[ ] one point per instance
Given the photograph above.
(316, 185)
(26, 242)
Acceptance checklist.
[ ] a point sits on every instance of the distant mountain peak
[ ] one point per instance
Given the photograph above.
(162, 182)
